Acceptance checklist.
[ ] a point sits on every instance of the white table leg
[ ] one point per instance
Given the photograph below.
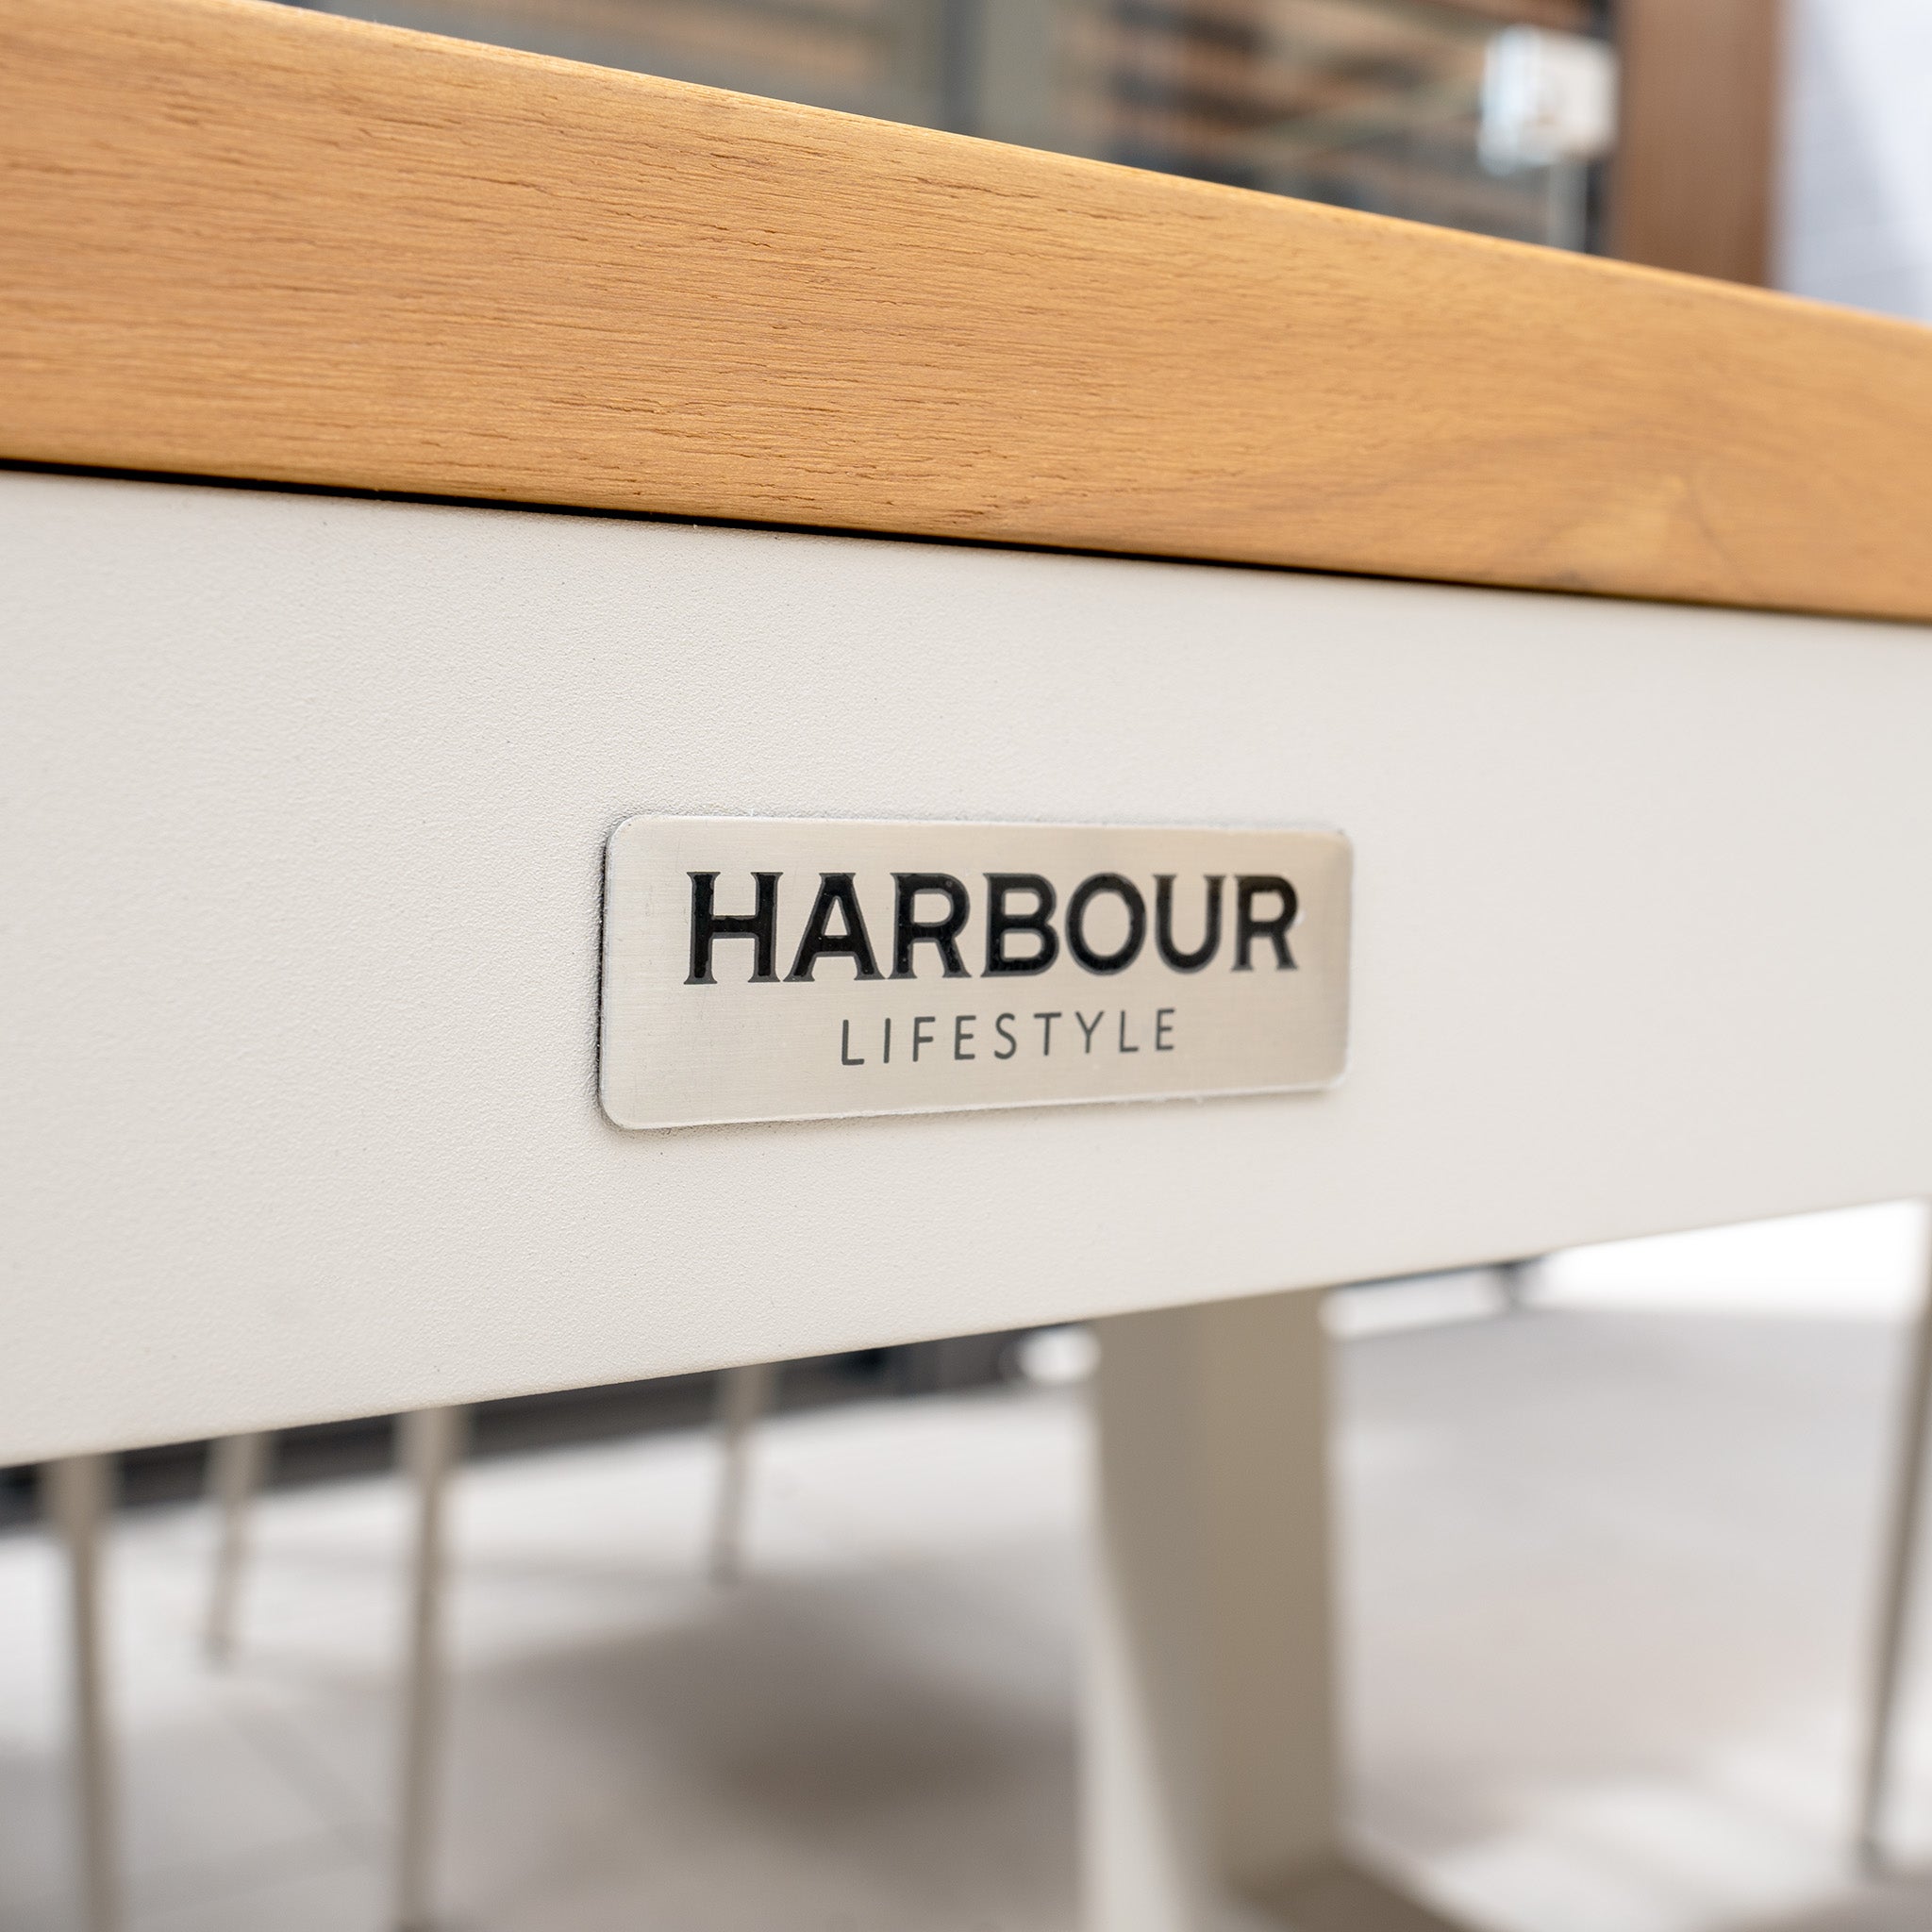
(79, 1493)
(236, 1464)
(744, 1393)
(430, 1442)
(1900, 1563)
(1213, 1796)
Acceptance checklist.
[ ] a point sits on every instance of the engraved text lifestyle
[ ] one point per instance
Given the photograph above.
(1105, 925)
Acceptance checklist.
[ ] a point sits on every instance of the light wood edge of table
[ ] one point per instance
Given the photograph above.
(246, 242)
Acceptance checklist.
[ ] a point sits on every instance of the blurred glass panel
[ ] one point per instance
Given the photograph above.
(1366, 104)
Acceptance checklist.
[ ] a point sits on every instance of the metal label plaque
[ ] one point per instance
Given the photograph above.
(789, 969)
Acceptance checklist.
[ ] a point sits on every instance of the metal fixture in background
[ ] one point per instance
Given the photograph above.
(1549, 107)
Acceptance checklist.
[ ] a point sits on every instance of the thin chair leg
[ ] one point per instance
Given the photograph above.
(744, 1393)
(236, 1466)
(79, 1492)
(1894, 1607)
(431, 1442)
(1512, 1284)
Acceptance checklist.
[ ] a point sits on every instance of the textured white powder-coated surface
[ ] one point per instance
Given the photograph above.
(305, 803)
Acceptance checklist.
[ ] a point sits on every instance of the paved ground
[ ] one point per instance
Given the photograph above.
(1606, 1583)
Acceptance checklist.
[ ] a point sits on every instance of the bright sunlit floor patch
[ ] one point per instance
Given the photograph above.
(1855, 1264)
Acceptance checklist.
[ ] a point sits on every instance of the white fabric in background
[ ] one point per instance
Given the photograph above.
(1855, 216)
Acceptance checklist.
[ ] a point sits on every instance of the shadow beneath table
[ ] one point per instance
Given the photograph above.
(1901, 1904)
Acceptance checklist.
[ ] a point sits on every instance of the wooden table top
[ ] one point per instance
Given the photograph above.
(245, 241)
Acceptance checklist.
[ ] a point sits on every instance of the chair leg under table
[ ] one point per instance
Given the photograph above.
(431, 1442)
(236, 1466)
(744, 1393)
(1513, 1284)
(78, 1494)
(1213, 1796)
(1900, 1563)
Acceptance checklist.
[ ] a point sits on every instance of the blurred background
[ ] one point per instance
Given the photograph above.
(802, 1650)
(1785, 143)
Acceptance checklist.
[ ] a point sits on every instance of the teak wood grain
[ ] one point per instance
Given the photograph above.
(244, 241)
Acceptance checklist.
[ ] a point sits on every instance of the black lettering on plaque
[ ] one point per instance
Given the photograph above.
(919, 1038)
(961, 1036)
(836, 894)
(1163, 1025)
(1124, 1046)
(1006, 1033)
(845, 1058)
(908, 931)
(1163, 923)
(708, 925)
(1128, 894)
(1088, 1027)
(1046, 1021)
(1250, 925)
(1002, 922)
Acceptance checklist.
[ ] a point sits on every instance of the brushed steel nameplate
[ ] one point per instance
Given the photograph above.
(792, 969)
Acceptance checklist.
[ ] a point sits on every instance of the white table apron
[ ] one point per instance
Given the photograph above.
(306, 800)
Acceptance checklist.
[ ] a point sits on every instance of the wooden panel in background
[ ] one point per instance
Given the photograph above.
(1697, 148)
(1567, 16)
(246, 241)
